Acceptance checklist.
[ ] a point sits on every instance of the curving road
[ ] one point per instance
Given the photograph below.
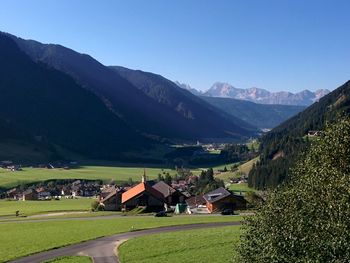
(102, 250)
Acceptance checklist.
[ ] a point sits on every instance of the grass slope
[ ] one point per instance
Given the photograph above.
(242, 169)
(33, 237)
(204, 245)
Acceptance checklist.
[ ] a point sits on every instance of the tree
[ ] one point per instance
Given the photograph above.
(308, 218)
(168, 180)
(160, 177)
(210, 175)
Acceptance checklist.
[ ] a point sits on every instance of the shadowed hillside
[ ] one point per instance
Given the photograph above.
(150, 104)
(46, 106)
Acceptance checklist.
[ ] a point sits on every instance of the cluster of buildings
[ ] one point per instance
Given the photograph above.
(149, 196)
(67, 190)
(160, 196)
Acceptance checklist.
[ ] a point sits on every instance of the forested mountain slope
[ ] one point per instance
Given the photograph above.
(280, 147)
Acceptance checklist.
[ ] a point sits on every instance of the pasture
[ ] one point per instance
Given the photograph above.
(9, 208)
(194, 246)
(241, 188)
(10, 179)
(23, 238)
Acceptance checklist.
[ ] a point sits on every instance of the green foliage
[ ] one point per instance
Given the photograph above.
(168, 180)
(280, 148)
(307, 220)
(254, 200)
(235, 153)
(94, 205)
(206, 182)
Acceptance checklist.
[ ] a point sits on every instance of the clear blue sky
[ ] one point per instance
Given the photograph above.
(272, 44)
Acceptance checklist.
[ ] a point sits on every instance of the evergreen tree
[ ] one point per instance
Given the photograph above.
(168, 180)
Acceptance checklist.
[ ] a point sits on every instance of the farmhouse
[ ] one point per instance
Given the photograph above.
(14, 193)
(111, 198)
(195, 201)
(43, 193)
(171, 196)
(30, 194)
(143, 195)
(221, 198)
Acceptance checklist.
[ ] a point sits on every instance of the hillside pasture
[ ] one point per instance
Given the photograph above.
(240, 188)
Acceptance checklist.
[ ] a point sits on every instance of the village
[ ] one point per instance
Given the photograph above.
(169, 195)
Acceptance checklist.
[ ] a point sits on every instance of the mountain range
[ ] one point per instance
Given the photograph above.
(60, 101)
(261, 96)
(57, 103)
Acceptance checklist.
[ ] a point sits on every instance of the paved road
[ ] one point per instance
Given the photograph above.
(102, 249)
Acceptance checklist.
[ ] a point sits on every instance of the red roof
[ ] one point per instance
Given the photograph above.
(139, 189)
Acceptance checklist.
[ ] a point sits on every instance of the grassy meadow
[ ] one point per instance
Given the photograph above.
(8, 208)
(10, 179)
(241, 169)
(240, 188)
(194, 246)
(32, 237)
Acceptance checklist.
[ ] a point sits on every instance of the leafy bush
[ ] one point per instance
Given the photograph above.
(307, 219)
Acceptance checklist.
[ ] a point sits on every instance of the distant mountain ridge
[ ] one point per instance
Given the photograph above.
(189, 88)
(261, 96)
(263, 116)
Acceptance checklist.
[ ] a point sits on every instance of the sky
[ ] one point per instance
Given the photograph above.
(288, 45)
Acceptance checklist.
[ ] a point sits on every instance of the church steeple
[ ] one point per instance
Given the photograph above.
(144, 178)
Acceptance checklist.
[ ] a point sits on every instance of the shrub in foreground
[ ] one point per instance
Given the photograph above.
(307, 219)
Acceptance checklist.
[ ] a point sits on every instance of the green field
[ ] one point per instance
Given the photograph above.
(246, 167)
(107, 173)
(73, 259)
(241, 188)
(39, 207)
(24, 238)
(241, 169)
(194, 246)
